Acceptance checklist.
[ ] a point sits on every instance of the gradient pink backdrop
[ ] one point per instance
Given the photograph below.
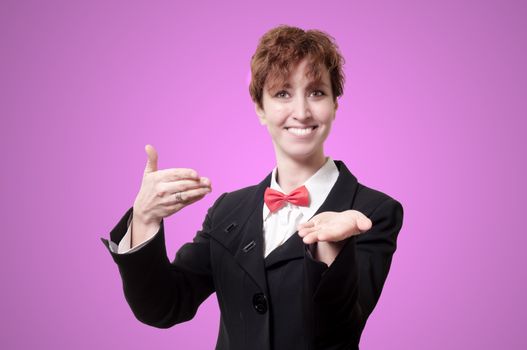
(434, 114)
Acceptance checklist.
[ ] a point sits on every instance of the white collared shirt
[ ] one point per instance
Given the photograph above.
(282, 224)
(277, 226)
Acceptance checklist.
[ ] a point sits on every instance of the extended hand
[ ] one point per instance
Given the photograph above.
(330, 226)
(164, 192)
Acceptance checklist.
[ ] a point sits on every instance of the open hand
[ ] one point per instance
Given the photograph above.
(330, 226)
(164, 192)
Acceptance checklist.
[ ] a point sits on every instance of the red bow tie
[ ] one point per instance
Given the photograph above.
(275, 199)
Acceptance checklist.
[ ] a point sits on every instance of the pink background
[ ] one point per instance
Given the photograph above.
(433, 113)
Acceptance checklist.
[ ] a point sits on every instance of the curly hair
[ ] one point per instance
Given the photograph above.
(282, 48)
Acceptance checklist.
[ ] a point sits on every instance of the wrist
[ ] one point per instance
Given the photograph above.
(142, 230)
(328, 251)
(141, 219)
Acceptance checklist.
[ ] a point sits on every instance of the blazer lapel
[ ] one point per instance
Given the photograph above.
(241, 232)
(342, 195)
(250, 252)
(339, 199)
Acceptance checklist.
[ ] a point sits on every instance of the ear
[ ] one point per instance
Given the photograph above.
(261, 114)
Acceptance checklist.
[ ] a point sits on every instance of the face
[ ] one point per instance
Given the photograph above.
(299, 114)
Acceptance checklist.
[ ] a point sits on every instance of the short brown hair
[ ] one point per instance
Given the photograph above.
(281, 48)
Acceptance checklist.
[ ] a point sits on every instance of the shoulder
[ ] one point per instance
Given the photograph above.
(369, 200)
(234, 203)
(364, 198)
(236, 198)
(386, 214)
(240, 194)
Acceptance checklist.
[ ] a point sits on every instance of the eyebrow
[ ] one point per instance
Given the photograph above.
(319, 83)
(311, 85)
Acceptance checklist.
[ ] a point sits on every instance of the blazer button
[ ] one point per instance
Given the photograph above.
(260, 303)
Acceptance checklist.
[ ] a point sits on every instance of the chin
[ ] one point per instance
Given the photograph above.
(301, 155)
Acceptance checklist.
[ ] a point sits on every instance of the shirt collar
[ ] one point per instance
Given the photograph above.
(318, 186)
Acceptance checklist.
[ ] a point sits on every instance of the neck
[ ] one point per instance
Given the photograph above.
(292, 173)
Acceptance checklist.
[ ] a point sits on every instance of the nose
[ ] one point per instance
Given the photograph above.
(301, 109)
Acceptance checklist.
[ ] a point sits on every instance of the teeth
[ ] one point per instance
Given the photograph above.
(298, 131)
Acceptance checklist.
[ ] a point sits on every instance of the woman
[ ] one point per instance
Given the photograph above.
(297, 261)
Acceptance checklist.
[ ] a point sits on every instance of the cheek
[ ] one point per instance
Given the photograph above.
(325, 115)
(279, 114)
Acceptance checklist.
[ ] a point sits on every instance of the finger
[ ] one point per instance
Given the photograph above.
(324, 236)
(187, 197)
(306, 231)
(195, 199)
(174, 174)
(205, 181)
(363, 223)
(180, 186)
(311, 238)
(151, 163)
(180, 205)
(306, 225)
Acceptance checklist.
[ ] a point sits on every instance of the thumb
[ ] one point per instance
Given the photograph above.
(364, 223)
(151, 163)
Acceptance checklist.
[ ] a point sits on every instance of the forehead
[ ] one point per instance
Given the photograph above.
(315, 72)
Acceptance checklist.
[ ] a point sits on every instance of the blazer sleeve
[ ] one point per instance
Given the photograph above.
(163, 293)
(375, 249)
(333, 294)
(347, 291)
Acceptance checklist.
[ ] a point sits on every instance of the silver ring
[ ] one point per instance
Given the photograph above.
(178, 197)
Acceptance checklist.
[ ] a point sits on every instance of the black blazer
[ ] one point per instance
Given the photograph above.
(287, 300)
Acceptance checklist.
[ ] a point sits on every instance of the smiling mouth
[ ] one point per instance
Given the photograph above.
(301, 131)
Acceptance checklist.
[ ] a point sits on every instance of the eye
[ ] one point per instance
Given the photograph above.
(281, 94)
(318, 93)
